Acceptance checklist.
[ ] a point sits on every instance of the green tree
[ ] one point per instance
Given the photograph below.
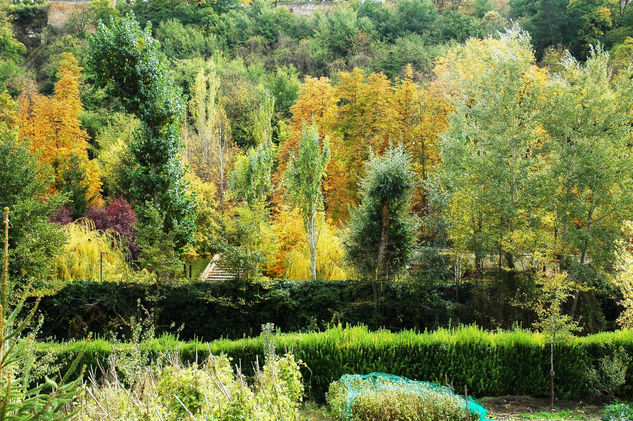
(157, 247)
(125, 58)
(304, 178)
(21, 400)
(72, 183)
(381, 236)
(547, 21)
(490, 155)
(251, 176)
(556, 326)
(590, 184)
(25, 187)
(10, 48)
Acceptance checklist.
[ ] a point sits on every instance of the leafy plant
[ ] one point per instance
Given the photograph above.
(48, 400)
(198, 391)
(618, 412)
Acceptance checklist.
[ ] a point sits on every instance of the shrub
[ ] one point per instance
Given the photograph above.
(607, 376)
(210, 390)
(618, 412)
(490, 364)
(383, 397)
(208, 311)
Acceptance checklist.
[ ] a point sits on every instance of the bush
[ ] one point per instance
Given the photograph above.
(208, 311)
(379, 398)
(490, 364)
(210, 390)
(618, 412)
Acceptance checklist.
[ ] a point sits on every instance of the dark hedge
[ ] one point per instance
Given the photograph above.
(209, 311)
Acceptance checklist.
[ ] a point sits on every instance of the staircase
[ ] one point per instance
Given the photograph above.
(216, 271)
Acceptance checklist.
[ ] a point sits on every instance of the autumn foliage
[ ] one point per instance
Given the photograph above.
(52, 126)
(367, 111)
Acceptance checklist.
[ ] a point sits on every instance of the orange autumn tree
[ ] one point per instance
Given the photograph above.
(421, 115)
(317, 102)
(365, 119)
(52, 127)
(363, 111)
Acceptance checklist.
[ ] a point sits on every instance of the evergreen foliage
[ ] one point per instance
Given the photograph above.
(126, 60)
(381, 236)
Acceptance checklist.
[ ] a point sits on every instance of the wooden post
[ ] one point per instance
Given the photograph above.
(551, 375)
(467, 408)
(5, 282)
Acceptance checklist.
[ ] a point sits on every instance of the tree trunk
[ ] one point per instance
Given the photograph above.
(313, 273)
(384, 240)
(551, 375)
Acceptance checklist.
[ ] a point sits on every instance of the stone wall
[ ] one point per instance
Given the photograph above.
(60, 11)
(306, 8)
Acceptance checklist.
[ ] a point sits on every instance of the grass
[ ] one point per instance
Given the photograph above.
(560, 415)
(310, 411)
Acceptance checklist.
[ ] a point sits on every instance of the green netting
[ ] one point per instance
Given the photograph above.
(375, 382)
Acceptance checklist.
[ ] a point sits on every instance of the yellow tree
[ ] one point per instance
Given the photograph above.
(317, 102)
(365, 118)
(53, 128)
(421, 115)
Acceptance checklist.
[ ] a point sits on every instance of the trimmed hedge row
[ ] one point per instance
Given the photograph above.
(210, 311)
(489, 363)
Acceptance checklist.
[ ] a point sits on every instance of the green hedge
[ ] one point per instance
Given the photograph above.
(489, 363)
(209, 311)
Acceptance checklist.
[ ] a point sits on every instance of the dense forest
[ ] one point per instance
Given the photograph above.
(429, 141)
(429, 197)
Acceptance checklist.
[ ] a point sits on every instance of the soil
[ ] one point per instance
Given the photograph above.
(506, 408)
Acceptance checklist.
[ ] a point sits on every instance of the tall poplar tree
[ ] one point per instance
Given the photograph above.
(125, 58)
(304, 179)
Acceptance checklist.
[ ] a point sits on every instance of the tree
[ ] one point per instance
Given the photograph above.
(491, 153)
(547, 21)
(590, 185)
(53, 129)
(118, 217)
(420, 117)
(623, 278)
(291, 259)
(317, 102)
(556, 326)
(209, 148)
(304, 179)
(47, 401)
(26, 187)
(90, 253)
(251, 177)
(126, 60)
(381, 235)
(72, 182)
(10, 48)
